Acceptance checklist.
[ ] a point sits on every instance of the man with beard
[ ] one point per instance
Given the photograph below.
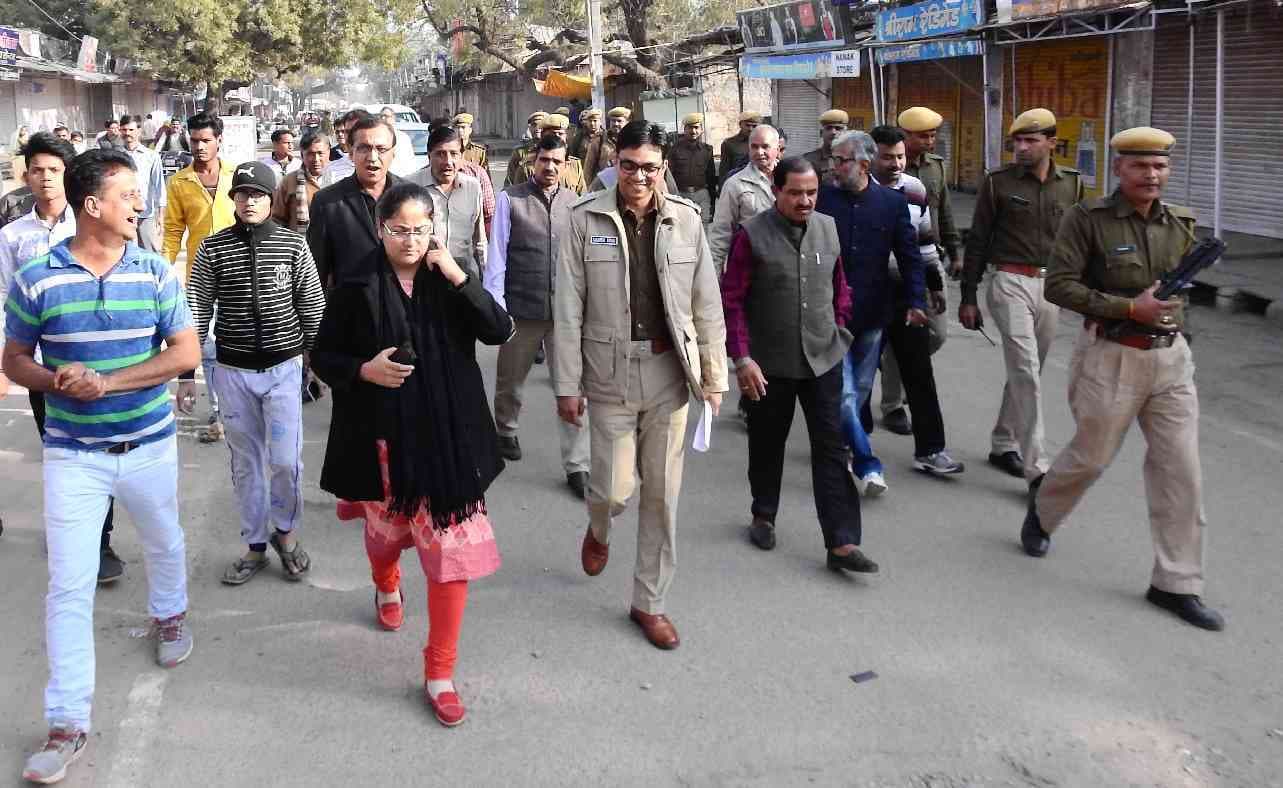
(1018, 212)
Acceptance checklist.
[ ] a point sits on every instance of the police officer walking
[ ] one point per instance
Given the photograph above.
(832, 123)
(1131, 363)
(1018, 211)
(638, 329)
(920, 126)
(691, 162)
(735, 148)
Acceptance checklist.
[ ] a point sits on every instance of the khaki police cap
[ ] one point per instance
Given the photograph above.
(1143, 141)
(834, 116)
(750, 117)
(554, 121)
(592, 112)
(916, 119)
(463, 118)
(563, 110)
(693, 119)
(536, 116)
(620, 112)
(1033, 121)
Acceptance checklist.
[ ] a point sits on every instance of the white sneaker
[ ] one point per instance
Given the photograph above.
(859, 483)
(64, 745)
(873, 485)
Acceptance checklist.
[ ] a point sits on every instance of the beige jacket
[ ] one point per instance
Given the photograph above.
(744, 195)
(592, 328)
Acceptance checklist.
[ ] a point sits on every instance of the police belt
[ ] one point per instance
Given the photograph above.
(1126, 332)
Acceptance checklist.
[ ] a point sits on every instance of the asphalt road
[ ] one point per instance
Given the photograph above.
(992, 668)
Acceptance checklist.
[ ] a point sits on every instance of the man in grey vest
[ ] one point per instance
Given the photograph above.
(786, 302)
(521, 275)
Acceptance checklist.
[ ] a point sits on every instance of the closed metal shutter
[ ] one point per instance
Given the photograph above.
(8, 112)
(798, 105)
(1252, 169)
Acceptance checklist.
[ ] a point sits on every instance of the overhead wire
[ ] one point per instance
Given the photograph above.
(55, 21)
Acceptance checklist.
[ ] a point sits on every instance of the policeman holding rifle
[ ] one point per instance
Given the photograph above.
(1131, 363)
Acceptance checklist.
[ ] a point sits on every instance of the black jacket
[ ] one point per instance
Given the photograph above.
(349, 338)
(342, 232)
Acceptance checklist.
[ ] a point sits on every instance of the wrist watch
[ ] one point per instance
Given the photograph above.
(742, 362)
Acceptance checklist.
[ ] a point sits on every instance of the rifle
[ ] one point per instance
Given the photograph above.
(1201, 255)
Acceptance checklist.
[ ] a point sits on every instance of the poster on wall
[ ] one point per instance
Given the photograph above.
(791, 27)
(240, 139)
(1069, 78)
(8, 47)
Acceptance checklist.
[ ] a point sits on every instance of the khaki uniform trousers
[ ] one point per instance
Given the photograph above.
(1027, 322)
(1111, 386)
(643, 437)
(516, 356)
(892, 387)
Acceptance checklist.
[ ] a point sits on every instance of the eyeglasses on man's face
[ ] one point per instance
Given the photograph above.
(630, 167)
(841, 161)
(366, 150)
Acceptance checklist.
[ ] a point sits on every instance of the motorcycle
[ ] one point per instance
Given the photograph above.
(171, 161)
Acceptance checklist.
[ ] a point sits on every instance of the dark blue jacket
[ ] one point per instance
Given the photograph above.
(871, 225)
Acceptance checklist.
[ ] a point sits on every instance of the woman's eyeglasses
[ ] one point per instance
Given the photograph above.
(402, 233)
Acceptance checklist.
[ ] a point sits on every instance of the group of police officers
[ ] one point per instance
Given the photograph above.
(1044, 247)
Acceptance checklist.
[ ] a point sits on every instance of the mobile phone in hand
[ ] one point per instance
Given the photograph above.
(404, 354)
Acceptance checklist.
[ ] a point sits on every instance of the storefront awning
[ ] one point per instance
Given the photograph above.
(567, 86)
(54, 69)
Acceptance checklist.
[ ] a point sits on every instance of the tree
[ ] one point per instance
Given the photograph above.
(508, 34)
(80, 17)
(227, 43)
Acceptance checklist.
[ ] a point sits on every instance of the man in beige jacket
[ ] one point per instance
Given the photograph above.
(745, 194)
(638, 329)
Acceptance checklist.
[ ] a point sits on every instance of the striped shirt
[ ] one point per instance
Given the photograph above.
(26, 239)
(269, 294)
(106, 324)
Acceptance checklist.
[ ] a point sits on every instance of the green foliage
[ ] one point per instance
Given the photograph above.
(235, 40)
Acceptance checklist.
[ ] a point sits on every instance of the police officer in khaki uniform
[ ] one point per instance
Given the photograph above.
(589, 130)
(473, 152)
(920, 126)
(1018, 211)
(735, 148)
(638, 329)
(517, 173)
(601, 150)
(572, 174)
(832, 123)
(691, 162)
(1131, 363)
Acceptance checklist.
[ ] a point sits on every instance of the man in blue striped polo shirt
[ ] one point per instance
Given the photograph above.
(100, 308)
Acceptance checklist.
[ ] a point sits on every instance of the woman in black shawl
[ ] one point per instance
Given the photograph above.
(412, 444)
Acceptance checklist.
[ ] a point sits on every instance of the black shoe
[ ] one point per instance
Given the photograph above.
(898, 422)
(539, 354)
(762, 533)
(1035, 540)
(509, 448)
(110, 567)
(1035, 485)
(1008, 462)
(854, 561)
(1189, 607)
(578, 481)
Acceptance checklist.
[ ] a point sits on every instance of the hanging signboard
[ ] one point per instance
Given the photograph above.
(240, 139)
(8, 47)
(791, 27)
(930, 50)
(929, 19)
(815, 65)
(88, 54)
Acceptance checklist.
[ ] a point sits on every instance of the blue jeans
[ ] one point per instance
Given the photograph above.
(858, 369)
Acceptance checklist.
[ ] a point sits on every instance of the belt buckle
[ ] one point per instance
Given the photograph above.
(122, 448)
(1042, 272)
(1162, 341)
(642, 348)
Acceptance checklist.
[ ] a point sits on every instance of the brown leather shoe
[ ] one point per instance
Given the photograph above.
(658, 629)
(593, 554)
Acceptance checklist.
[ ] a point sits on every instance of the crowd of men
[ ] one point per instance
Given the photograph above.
(644, 270)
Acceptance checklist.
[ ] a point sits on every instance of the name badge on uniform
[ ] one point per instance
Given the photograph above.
(1124, 249)
(1018, 200)
(603, 240)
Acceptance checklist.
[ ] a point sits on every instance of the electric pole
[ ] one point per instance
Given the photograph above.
(594, 42)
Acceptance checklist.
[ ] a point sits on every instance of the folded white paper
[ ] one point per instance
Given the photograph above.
(704, 432)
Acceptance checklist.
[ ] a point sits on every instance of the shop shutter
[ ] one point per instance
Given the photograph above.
(8, 112)
(1252, 170)
(798, 105)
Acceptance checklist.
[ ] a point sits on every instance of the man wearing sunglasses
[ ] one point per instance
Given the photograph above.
(269, 298)
(638, 329)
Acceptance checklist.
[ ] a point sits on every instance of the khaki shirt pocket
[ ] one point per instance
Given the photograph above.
(1124, 268)
(598, 347)
(603, 265)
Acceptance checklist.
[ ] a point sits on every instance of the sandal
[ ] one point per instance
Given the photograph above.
(242, 569)
(213, 433)
(295, 561)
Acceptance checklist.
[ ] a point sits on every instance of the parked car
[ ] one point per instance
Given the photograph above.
(418, 133)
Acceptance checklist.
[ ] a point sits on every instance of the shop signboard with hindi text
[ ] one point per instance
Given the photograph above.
(930, 50)
(8, 47)
(929, 20)
(791, 27)
(240, 139)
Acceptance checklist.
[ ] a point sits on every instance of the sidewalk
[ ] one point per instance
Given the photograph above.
(1249, 278)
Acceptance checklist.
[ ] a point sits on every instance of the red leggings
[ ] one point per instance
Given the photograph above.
(446, 602)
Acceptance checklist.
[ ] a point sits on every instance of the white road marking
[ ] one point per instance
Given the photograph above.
(141, 715)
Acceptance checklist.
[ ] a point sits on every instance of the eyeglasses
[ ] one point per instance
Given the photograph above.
(841, 160)
(245, 195)
(403, 233)
(630, 167)
(366, 150)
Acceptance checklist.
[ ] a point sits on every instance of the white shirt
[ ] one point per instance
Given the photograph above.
(338, 170)
(151, 180)
(281, 169)
(403, 163)
(22, 241)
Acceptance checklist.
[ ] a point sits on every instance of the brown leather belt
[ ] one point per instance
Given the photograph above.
(1138, 341)
(1020, 269)
(122, 448)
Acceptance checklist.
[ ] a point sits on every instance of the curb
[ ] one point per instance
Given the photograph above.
(1233, 299)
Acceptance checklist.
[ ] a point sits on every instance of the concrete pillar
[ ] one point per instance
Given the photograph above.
(993, 105)
(1133, 98)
